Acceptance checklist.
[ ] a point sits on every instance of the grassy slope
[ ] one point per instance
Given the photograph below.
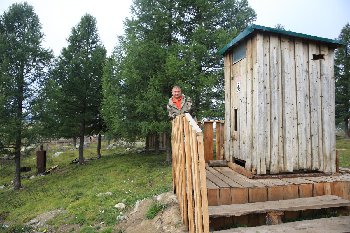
(343, 145)
(129, 176)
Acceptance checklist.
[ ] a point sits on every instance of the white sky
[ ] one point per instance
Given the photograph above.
(324, 18)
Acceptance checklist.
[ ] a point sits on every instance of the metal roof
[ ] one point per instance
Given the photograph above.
(253, 28)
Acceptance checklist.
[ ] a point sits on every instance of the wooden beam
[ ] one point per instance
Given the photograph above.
(208, 141)
(217, 163)
(298, 204)
(240, 170)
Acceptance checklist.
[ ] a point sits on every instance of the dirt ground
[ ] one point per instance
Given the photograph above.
(168, 220)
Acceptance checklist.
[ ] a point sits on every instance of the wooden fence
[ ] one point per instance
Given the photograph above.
(151, 141)
(189, 178)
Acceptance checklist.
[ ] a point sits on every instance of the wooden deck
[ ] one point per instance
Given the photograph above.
(226, 187)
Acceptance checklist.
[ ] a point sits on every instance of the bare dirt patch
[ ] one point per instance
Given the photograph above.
(168, 220)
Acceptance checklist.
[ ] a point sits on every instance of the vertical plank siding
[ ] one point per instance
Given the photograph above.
(314, 106)
(285, 106)
(249, 126)
(330, 64)
(301, 80)
(288, 89)
(267, 107)
(189, 178)
(227, 76)
(260, 96)
(276, 162)
(242, 111)
(325, 109)
(255, 113)
(235, 136)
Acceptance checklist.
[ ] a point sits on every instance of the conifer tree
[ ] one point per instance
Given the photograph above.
(342, 80)
(77, 80)
(167, 43)
(23, 66)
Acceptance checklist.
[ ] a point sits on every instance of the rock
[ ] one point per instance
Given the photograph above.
(166, 198)
(32, 177)
(58, 153)
(2, 186)
(104, 194)
(121, 218)
(120, 206)
(136, 207)
(41, 220)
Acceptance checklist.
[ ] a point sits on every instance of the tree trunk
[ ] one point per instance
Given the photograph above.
(75, 142)
(147, 143)
(168, 148)
(81, 143)
(346, 127)
(19, 114)
(156, 144)
(17, 180)
(99, 146)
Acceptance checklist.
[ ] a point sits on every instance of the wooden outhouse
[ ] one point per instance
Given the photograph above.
(280, 101)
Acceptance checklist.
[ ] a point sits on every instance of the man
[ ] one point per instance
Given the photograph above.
(178, 103)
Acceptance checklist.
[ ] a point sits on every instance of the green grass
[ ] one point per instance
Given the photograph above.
(128, 176)
(154, 209)
(343, 146)
(74, 188)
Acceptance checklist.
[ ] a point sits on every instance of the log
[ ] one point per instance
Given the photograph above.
(240, 170)
(217, 163)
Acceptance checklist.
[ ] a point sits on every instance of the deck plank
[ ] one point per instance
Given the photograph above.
(320, 202)
(216, 172)
(238, 178)
(218, 182)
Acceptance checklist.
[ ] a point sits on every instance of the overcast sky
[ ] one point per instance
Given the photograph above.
(323, 18)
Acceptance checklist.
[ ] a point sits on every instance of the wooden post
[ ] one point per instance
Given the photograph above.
(208, 141)
(147, 143)
(218, 141)
(167, 139)
(156, 142)
(337, 161)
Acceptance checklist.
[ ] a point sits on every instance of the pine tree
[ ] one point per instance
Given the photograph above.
(23, 64)
(167, 43)
(77, 77)
(342, 80)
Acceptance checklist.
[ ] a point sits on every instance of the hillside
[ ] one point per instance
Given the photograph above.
(82, 195)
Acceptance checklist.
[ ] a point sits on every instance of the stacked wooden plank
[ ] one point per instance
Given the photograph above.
(307, 203)
(230, 192)
(226, 186)
(189, 176)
